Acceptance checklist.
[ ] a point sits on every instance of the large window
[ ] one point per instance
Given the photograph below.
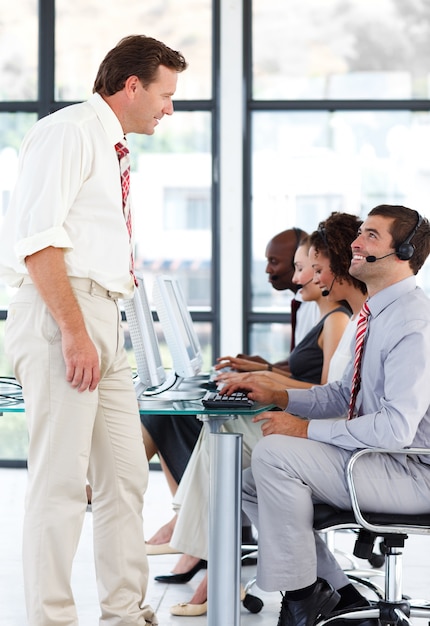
(338, 120)
(87, 29)
(50, 51)
(172, 170)
(340, 49)
(172, 193)
(18, 51)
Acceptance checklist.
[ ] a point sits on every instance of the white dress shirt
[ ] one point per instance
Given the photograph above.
(342, 356)
(306, 317)
(68, 195)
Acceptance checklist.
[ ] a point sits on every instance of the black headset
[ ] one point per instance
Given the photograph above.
(405, 250)
(299, 234)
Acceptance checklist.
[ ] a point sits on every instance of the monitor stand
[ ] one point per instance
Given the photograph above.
(173, 390)
(167, 398)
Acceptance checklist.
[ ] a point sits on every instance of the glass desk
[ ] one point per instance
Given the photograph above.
(225, 498)
(225, 491)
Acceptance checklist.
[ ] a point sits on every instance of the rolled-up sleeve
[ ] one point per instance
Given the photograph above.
(52, 182)
(55, 237)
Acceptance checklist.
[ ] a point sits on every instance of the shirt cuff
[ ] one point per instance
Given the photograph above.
(317, 430)
(55, 237)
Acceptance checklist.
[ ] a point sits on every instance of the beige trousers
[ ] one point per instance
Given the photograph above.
(191, 500)
(73, 436)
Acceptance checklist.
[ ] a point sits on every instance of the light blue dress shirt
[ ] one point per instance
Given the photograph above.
(393, 403)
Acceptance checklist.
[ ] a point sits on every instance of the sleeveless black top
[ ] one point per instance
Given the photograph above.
(306, 360)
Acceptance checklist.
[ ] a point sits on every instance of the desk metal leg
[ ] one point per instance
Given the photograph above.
(224, 528)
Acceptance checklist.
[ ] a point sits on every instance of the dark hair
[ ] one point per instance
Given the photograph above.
(305, 240)
(300, 235)
(135, 55)
(404, 222)
(333, 239)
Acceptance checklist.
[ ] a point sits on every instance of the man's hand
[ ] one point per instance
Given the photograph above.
(264, 391)
(48, 272)
(281, 423)
(82, 361)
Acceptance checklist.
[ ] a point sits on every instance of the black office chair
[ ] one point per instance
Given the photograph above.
(390, 607)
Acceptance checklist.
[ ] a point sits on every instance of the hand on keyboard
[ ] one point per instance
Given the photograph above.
(219, 400)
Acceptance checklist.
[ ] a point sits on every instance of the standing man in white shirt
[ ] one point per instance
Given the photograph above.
(66, 245)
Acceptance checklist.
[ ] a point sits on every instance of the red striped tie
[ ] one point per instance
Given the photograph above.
(124, 166)
(363, 319)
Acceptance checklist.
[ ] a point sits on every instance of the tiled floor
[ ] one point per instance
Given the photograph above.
(160, 596)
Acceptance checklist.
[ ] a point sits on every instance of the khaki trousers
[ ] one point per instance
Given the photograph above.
(73, 436)
(191, 500)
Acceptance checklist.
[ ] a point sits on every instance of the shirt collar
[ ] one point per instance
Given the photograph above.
(108, 119)
(387, 296)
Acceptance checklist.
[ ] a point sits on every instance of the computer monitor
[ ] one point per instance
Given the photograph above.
(150, 370)
(177, 327)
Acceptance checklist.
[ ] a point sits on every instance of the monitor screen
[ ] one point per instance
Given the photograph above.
(177, 327)
(150, 369)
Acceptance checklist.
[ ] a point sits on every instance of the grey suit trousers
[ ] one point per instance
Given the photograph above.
(288, 475)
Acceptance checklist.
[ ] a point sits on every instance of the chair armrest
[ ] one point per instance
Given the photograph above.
(403, 528)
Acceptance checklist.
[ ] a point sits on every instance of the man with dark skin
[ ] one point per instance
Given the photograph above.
(280, 267)
(280, 255)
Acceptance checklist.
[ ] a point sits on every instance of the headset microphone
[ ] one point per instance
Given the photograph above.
(372, 259)
(326, 292)
(304, 285)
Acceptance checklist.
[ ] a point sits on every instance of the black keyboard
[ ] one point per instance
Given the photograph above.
(219, 400)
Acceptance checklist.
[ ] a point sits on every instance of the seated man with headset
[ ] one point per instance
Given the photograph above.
(382, 402)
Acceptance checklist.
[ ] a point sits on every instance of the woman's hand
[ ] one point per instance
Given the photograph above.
(240, 364)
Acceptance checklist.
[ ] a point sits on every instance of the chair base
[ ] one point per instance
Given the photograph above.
(387, 613)
(362, 578)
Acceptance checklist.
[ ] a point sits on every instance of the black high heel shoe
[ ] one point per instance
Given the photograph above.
(182, 578)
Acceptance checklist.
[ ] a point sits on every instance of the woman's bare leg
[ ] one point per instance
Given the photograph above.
(201, 593)
(163, 534)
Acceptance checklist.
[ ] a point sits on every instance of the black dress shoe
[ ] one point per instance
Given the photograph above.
(182, 578)
(322, 601)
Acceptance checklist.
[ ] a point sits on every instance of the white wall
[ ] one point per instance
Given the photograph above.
(231, 176)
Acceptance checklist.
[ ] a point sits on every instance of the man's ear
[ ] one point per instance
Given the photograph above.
(131, 85)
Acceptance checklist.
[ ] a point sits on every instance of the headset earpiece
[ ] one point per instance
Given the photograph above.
(299, 233)
(405, 250)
